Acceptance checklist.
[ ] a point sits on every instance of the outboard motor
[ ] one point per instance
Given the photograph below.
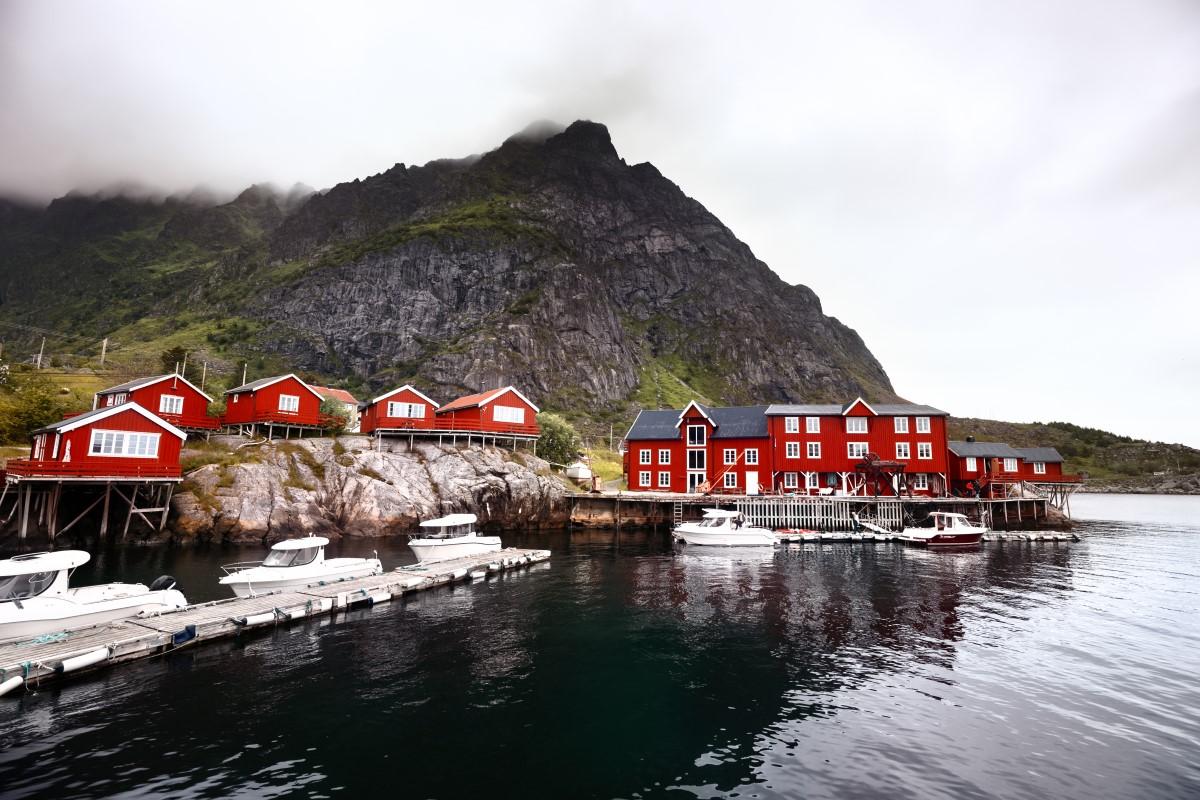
(162, 583)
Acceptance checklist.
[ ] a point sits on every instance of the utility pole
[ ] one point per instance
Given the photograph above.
(610, 435)
(40, 352)
(203, 375)
(244, 365)
(184, 373)
(103, 350)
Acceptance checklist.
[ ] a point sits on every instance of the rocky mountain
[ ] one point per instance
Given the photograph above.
(548, 262)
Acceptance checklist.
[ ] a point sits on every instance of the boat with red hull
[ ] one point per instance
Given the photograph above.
(945, 530)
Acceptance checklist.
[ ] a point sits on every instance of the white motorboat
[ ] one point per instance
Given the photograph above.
(722, 528)
(35, 598)
(944, 529)
(451, 537)
(294, 564)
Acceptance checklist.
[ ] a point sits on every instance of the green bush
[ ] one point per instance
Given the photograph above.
(28, 401)
(559, 442)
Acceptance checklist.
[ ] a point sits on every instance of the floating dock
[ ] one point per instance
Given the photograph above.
(46, 658)
(816, 537)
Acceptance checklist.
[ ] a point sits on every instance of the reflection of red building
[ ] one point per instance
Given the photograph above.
(172, 397)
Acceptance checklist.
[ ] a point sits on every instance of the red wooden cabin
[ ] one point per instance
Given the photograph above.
(983, 468)
(504, 411)
(281, 400)
(172, 397)
(1043, 465)
(403, 409)
(123, 441)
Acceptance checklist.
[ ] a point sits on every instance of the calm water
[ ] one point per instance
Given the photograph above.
(625, 668)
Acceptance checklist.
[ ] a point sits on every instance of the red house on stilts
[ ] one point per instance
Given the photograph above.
(400, 410)
(172, 397)
(282, 402)
(502, 412)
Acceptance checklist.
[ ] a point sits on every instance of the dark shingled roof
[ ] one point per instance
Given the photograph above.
(252, 385)
(654, 425)
(836, 409)
(134, 384)
(1046, 454)
(983, 450)
(733, 422)
(53, 426)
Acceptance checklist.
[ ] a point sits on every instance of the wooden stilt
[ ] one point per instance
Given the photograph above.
(24, 511)
(104, 514)
(169, 489)
(129, 516)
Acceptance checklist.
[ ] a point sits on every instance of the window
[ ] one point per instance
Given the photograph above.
(791, 424)
(972, 464)
(730, 456)
(730, 480)
(664, 480)
(856, 424)
(124, 443)
(903, 452)
(695, 435)
(235, 398)
(1039, 468)
(406, 410)
(752, 456)
(922, 424)
(790, 480)
(812, 424)
(901, 424)
(856, 449)
(39, 447)
(170, 404)
(23, 587)
(289, 403)
(925, 450)
(921, 481)
(644, 456)
(513, 414)
(792, 449)
(696, 460)
(814, 449)
(664, 456)
(117, 399)
(812, 480)
(644, 478)
(291, 558)
(1010, 465)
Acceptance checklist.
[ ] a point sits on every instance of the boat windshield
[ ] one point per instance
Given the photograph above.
(714, 522)
(290, 558)
(20, 587)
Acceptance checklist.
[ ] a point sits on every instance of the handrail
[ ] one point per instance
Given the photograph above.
(28, 467)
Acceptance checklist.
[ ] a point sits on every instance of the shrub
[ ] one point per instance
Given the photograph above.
(559, 442)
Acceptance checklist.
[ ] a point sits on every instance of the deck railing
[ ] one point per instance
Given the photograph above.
(442, 425)
(119, 468)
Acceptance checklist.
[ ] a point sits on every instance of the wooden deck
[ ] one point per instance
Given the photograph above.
(868, 537)
(40, 660)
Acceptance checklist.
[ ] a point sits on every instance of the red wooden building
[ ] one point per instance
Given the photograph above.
(172, 397)
(984, 469)
(283, 401)
(404, 409)
(1043, 465)
(502, 411)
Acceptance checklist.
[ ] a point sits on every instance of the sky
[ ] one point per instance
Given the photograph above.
(1003, 199)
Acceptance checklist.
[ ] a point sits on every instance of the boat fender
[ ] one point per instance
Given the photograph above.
(379, 597)
(185, 635)
(255, 619)
(85, 660)
(10, 684)
(163, 583)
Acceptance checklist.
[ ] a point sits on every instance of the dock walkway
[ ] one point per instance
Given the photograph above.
(49, 657)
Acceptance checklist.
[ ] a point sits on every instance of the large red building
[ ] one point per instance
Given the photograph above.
(502, 411)
(283, 400)
(989, 469)
(403, 409)
(172, 397)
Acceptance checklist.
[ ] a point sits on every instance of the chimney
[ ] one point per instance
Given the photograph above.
(970, 438)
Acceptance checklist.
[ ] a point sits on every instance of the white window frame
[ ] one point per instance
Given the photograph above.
(664, 456)
(117, 399)
(814, 450)
(645, 455)
(812, 424)
(856, 425)
(1010, 465)
(903, 451)
(123, 444)
(752, 456)
(900, 424)
(513, 415)
(1039, 468)
(791, 424)
(729, 456)
(701, 456)
(235, 397)
(292, 404)
(791, 450)
(857, 449)
(399, 410)
(925, 451)
(644, 479)
(972, 464)
(791, 480)
(703, 436)
(922, 424)
(39, 447)
(813, 480)
(921, 481)
(170, 400)
(730, 481)
(664, 479)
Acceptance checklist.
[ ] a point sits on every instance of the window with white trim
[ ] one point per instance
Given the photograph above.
(117, 399)
(791, 424)
(856, 424)
(752, 456)
(1039, 468)
(406, 410)
(664, 457)
(170, 404)
(925, 450)
(730, 456)
(812, 424)
(289, 403)
(644, 478)
(922, 424)
(124, 443)
(730, 480)
(513, 414)
(792, 450)
(696, 460)
(791, 480)
(813, 481)
(903, 451)
(695, 434)
(235, 397)
(972, 464)
(856, 449)
(901, 424)
(39, 447)
(1010, 465)
(814, 449)
(644, 456)
(921, 481)
(664, 480)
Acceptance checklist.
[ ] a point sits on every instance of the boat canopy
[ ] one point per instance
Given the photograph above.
(450, 521)
(30, 563)
(721, 512)
(948, 515)
(300, 544)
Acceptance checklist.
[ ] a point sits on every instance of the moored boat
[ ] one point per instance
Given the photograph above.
(294, 564)
(944, 529)
(36, 598)
(451, 537)
(721, 528)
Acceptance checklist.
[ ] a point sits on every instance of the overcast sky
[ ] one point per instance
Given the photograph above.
(1003, 198)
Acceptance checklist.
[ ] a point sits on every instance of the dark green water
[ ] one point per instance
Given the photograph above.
(628, 668)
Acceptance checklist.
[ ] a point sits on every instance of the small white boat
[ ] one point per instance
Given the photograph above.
(35, 598)
(721, 528)
(294, 564)
(945, 530)
(451, 537)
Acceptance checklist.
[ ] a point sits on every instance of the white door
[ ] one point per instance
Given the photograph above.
(694, 479)
(751, 483)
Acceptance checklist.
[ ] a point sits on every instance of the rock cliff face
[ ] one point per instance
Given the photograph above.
(344, 488)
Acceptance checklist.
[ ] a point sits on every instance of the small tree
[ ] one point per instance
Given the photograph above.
(29, 402)
(336, 412)
(172, 359)
(559, 442)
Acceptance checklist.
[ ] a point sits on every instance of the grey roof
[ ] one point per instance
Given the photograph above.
(817, 410)
(654, 425)
(733, 422)
(983, 450)
(53, 426)
(252, 385)
(134, 384)
(836, 409)
(1045, 454)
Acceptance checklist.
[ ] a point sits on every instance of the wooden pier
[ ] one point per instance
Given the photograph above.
(867, 537)
(49, 657)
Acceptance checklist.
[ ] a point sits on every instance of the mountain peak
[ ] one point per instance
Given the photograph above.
(585, 137)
